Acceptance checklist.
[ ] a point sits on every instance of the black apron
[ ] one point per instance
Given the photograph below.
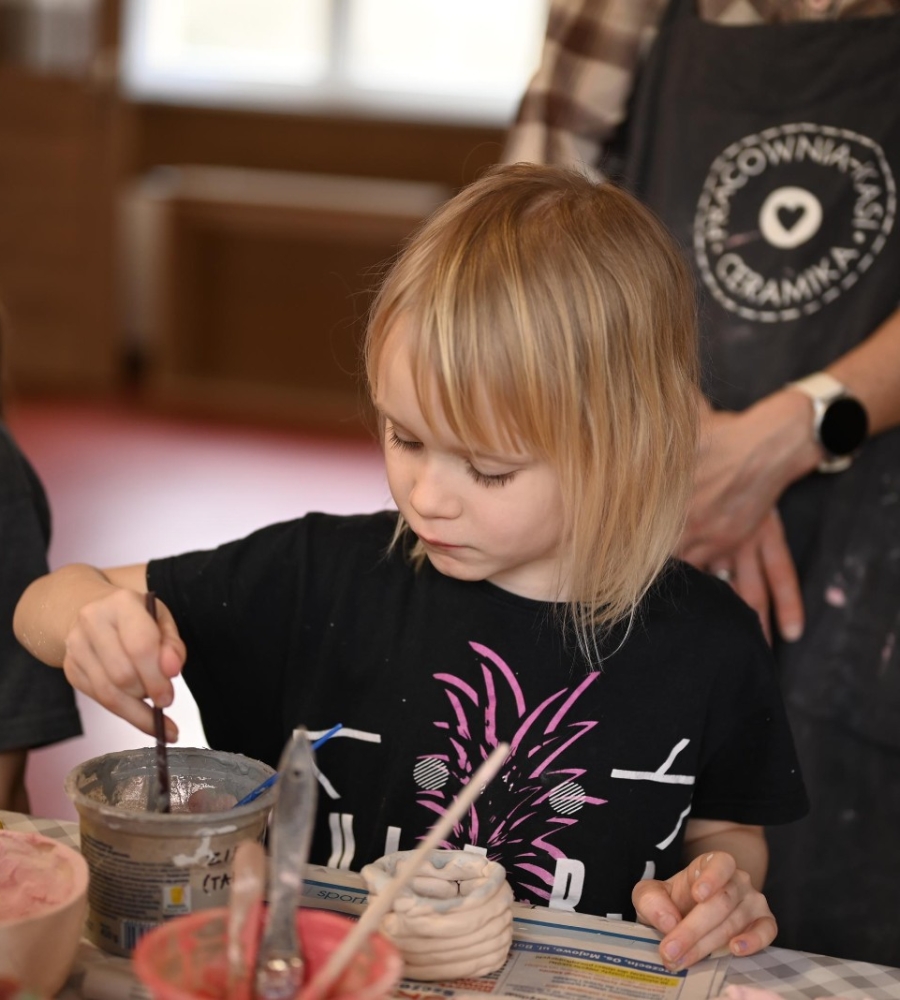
(773, 152)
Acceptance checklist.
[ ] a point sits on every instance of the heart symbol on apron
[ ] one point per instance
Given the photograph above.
(789, 217)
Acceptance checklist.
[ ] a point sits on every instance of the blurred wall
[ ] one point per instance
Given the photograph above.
(251, 301)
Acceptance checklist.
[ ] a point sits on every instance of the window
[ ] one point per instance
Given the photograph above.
(463, 59)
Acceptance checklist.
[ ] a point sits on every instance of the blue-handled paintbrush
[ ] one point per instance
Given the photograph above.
(255, 794)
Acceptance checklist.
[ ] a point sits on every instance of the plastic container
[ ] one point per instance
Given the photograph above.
(147, 867)
(37, 949)
(185, 959)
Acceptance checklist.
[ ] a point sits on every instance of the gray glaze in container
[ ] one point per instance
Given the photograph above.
(147, 867)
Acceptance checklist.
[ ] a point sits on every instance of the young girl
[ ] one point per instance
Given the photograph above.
(531, 358)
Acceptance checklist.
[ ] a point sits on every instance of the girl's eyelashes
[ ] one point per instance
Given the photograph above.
(501, 479)
(482, 478)
(404, 444)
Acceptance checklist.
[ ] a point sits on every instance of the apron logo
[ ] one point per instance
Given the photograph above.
(790, 218)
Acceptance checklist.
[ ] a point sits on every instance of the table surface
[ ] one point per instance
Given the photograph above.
(795, 975)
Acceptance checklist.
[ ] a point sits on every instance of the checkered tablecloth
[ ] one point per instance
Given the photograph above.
(798, 975)
(57, 829)
(795, 975)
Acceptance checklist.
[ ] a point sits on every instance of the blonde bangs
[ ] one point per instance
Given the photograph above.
(552, 315)
(480, 336)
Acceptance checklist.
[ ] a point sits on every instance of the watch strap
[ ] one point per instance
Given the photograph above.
(820, 387)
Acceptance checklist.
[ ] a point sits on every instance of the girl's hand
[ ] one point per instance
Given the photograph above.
(710, 904)
(118, 655)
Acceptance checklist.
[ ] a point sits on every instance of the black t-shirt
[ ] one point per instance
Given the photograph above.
(313, 622)
(37, 703)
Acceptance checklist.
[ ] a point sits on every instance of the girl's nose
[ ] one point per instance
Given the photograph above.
(432, 494)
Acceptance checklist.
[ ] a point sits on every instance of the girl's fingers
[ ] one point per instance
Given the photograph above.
(118, 655)
(758, 935)
(85, 675)
(654, 906)
(722, 909)
(708, 873)
(133, 710)
(731, 915)
(172, 652)
(143, 653)
(92, 664)
(128, 645)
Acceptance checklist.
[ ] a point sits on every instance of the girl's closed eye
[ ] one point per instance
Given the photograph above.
(484, 479)
(395, 440)
(404, 444)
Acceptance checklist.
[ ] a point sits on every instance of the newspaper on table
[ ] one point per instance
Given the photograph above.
(555, 955)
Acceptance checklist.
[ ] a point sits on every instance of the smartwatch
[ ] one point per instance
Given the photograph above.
(840, 421)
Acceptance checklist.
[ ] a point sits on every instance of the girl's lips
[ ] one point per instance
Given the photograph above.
(431, 543)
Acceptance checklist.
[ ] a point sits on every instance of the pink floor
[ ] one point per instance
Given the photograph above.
(125, 485)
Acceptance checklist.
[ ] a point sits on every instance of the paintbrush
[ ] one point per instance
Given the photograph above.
(380, 904)
(255, 794)
(159, 799)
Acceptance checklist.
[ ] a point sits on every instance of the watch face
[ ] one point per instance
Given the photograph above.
(844, 426)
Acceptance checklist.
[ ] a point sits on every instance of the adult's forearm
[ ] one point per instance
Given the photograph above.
(871, 370)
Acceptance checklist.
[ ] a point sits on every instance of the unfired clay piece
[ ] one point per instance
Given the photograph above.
(453, 920)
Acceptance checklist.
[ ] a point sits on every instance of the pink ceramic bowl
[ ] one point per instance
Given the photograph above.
(184, 958)
(43, 886)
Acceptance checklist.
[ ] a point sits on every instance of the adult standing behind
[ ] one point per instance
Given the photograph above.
(37, 705)
(766, 135)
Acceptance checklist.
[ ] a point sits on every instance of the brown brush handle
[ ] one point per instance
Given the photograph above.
(163, 800)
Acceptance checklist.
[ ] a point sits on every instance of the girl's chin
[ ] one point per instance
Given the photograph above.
(450, 563)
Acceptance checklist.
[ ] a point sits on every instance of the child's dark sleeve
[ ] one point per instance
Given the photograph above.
(749, 771)
(37, 704)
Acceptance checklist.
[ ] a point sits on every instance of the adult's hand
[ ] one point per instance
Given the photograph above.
(746, 461)
(762, 571)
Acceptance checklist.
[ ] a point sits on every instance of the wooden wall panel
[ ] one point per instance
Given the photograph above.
(57, 183)
(451, 154)
(263, 303)
(265, 298)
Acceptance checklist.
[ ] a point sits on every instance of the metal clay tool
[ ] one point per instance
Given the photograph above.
(279, 967)
(158, 798)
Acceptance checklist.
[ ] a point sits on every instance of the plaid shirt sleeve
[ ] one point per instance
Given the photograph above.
(579, 94)
(591, 54)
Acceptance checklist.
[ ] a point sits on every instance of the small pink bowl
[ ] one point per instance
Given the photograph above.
(38, 950)
(184, 958)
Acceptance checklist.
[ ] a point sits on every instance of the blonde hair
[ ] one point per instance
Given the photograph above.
(565, 307)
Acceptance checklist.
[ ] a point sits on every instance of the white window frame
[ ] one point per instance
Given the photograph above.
(332, 94)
